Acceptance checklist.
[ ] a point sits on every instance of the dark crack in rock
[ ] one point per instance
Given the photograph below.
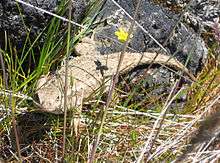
(150, 86)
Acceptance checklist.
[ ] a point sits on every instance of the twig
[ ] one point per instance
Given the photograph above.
(38, 154)
(158, 124)
(12, 107)
(66, 79)
(3, 71)
(112, 87)
(183, 132)
(15, 129)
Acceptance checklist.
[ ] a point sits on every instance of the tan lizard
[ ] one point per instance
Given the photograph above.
(86, 74)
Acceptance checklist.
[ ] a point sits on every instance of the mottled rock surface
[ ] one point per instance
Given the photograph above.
(200, 14)
(160, 23)
(203, 13)
(12, 20)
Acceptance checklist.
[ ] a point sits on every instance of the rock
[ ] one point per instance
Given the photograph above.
(203, 14)
(159, 22)
(11, 19)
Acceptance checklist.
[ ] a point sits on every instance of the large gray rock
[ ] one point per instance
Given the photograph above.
(159, 22)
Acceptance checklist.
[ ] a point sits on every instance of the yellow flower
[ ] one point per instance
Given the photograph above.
(122, 35)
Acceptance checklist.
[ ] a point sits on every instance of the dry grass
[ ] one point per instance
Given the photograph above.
(137, 125)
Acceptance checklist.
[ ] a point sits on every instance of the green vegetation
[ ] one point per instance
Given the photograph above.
(128, 121)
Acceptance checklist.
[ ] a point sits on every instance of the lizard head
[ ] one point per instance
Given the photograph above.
(49, 95)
